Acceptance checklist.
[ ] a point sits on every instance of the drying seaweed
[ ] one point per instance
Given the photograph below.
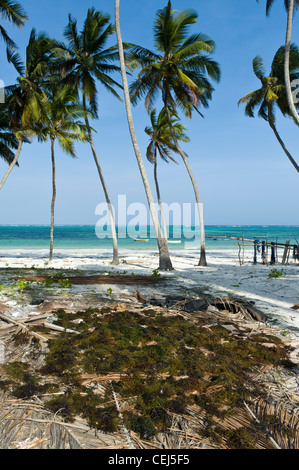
(166, 362)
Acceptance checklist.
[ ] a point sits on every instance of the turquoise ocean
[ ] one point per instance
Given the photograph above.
(81, 238)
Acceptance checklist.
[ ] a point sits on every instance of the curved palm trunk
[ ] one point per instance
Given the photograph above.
(115, 259)
(202, 259)
(291, 104)
(13, 163)
(53, 198)
(164, 258)
(159, 199)
(273, 127)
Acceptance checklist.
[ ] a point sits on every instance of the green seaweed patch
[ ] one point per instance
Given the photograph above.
(23, 383)
(142, 425)
(167, 363)
(89, 406)
(242, 438)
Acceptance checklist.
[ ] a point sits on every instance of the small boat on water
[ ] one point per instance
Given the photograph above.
(146, 240)
(216, 237)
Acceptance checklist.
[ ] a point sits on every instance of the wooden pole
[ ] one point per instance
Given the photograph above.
(251, 240)
(243, 247)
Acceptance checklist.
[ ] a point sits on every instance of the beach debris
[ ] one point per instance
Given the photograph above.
(2, 353)
(120, 279)
(240, 306)
(30, 443)
(48, 305)
(23, 327)
(139, 297)
(21, 420)
(35, 302)
(59, 328)
(4, 307)
(231, 305)
(182, 303)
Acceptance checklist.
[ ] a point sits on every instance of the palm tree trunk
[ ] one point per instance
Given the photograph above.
(53, 198)
(115, 259)
(291, 104)
(13, 163)
(159, 198)
(164, 258)
(202, 259)
(273, 127)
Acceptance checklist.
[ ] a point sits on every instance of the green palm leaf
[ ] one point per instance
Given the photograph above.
(180, 67)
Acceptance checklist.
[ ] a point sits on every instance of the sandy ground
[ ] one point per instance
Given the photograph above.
(223, 276)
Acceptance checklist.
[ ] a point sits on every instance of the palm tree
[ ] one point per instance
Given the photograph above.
(61, 123)
(164, 258)
(14, 13)
(178, 71)
(24, 100)
(83, 61)
(272, 92)
(8, 141)
(161, 144)
(269, 4)
(290, 6)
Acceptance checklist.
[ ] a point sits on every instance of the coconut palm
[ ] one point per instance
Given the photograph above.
(272, 92)
(291, 6)
(61, 123)
(24, 100)
(8, 141)
(269, 4)
(164, 258)
(178, 71)
(13, 12)
(161, 144)
(84, 60)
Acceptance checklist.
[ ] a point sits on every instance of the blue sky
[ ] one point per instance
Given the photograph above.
(243, 175)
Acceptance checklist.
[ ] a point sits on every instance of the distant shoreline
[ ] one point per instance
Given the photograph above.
(88, 237)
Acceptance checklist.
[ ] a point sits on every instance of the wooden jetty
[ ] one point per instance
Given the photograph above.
(287, 247)
(263, 242)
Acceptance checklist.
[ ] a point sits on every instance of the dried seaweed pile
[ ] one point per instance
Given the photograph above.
(147, 377)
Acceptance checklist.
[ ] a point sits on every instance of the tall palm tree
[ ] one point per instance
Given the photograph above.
(290, 6)
(161, 144)
(272, 92)
(164, 258)
(13, 12)
(81, 62)
(61, 123)
(24, 100)
(178, 71)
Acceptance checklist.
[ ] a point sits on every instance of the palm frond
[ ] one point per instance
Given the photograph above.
(13, 12)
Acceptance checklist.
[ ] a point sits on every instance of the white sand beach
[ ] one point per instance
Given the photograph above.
(223, 277)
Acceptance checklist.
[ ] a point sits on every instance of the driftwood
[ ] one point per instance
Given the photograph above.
(120, 279)
(51, 326)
